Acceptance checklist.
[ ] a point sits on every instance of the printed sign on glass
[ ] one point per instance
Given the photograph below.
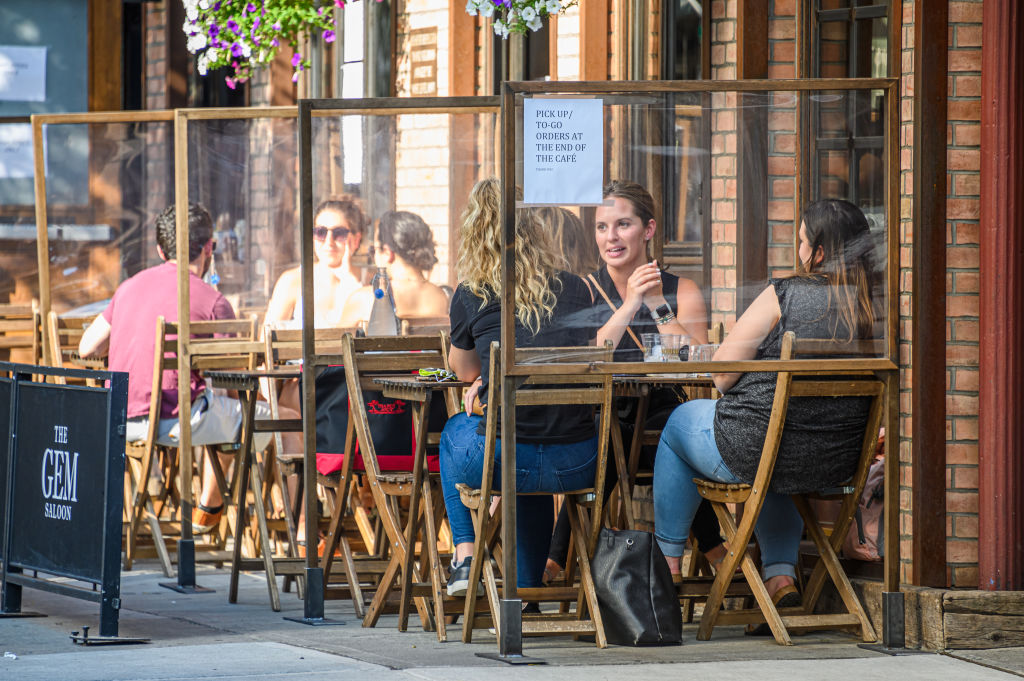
(563, 151)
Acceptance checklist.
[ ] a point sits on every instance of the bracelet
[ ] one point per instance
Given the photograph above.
(666, 319)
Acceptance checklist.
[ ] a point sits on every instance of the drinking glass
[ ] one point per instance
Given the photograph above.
(652, 347)
(703, 353)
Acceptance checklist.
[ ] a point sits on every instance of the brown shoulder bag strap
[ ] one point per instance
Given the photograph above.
(614, 309)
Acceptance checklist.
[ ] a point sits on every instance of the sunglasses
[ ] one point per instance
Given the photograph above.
(338, 233)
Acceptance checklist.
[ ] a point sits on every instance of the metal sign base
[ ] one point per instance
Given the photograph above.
(313, 607)
(86, 640)
(510, 635)
(893, 628)
(886, 650)
(186, 583)
(315, 621)
(187, 588)
(511, 659)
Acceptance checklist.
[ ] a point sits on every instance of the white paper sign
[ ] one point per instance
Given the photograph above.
(22, 73)
(563, 151)
(16, 159)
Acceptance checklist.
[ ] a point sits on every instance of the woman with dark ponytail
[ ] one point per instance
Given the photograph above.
(829, 296)
(404, 245)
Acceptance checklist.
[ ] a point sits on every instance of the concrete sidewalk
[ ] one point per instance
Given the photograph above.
(202, 636)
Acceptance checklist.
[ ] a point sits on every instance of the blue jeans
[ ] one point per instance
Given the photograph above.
(552, 468)
(687, 450)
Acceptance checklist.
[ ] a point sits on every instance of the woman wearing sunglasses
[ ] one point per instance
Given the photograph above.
(338, 227)
(405, 248)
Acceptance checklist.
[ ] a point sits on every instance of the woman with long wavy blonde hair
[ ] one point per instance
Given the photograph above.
(558, 444)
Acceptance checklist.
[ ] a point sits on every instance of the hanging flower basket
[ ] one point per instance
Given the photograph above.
(517, 16)
(246, 34)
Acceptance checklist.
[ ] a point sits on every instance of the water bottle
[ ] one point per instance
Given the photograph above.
(383, 320)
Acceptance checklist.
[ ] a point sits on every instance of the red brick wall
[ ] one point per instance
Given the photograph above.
(962, 303)
(906, 164)
(723, 165)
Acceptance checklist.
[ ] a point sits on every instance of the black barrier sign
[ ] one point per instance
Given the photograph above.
(6, 397)
(59, 480)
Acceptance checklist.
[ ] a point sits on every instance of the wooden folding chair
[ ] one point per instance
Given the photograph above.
(281, 347)
(585, 505)
(836, 384)
(208, 353)
(424, 326)
(62, 336)
(364, 357)
(21, 329)
(139, 458)
(627, 463)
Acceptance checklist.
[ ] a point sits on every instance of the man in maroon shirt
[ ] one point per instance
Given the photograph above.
(124, 332)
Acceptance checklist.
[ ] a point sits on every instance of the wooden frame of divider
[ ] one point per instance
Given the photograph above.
(311, 362)
(886, 366)
(187, 347)
(39, 158)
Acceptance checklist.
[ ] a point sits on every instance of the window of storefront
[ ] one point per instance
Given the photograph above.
(849, 40)
(685, 56)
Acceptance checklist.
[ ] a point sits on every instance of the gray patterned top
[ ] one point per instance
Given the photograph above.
(822, 437)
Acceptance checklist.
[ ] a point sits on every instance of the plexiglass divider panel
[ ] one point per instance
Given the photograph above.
(18, 265)
(730, 167)
(396, 177)
(244, 171)
(96, 206)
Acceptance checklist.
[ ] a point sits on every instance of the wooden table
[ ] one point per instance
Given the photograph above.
(247, 383)
(639, 386)
(419, 392)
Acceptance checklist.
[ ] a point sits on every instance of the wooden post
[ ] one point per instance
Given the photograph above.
(42, 235)
(184, 361)
(594, 40)
(928, 369)
(1001, 408)
(752, 155)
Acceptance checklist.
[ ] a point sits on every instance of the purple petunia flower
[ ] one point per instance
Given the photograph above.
(276, 26)
(275, 42)
(236, 50)
(328, 36)
(250, 8)
(216, 6)
(213, 31)
(296, 59)
(232, 26)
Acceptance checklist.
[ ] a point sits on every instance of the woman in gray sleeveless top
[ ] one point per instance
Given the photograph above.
(829, 297)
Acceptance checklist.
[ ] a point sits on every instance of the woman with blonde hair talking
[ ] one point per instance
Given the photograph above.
(558, 445)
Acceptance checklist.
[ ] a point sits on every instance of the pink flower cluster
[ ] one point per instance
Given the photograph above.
(243, 35)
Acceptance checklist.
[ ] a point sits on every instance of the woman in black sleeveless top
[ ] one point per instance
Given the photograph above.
(632, 296)
(829, 297)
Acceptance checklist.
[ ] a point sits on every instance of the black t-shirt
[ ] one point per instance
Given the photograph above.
(474, 327)
(627, 350)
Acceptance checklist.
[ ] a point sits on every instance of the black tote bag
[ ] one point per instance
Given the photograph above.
(634, 588)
